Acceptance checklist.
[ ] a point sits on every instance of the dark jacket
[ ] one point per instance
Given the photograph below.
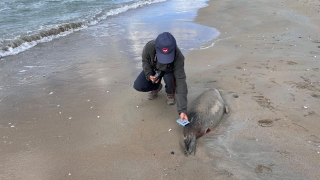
(181, 93)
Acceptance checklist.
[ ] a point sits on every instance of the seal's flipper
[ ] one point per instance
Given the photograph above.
(226, 109)
(192, 146)
(220, 90)
(186, 144)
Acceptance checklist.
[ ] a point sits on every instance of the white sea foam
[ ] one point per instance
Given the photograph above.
(125, 8)
(27, 45)
(33, 66)
(37, 4)
(2, 9)
(212, 44)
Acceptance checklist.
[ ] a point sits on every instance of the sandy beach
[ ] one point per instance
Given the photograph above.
(82, 119)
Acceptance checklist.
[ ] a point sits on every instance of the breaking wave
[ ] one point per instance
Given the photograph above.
(20, 44)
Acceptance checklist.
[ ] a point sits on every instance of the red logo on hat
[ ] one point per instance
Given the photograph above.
(165, 50)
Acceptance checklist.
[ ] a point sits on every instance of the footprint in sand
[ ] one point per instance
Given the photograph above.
(212, 81)
(265, 122)
(312, 113)
(315, 95)
(263, 101)
(273, 80)
(311, 86)
(261, 74)
(260, 168)
(291, 63)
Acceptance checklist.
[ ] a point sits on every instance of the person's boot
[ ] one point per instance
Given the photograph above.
(153, 94)
(170, 99)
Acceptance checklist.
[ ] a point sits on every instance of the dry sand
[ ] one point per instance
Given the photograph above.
(267, 56)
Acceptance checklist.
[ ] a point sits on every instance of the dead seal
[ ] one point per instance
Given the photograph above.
(204, 115)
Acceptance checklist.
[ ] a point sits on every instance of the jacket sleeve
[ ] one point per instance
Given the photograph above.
(147, 68)
(181, 85)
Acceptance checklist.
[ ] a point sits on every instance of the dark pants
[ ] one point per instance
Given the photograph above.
(143, 85)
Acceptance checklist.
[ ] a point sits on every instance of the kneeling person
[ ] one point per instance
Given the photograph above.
(162, 55)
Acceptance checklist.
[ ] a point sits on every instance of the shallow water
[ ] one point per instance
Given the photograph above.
(24, 24)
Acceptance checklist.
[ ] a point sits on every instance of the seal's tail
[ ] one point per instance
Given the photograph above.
(190, 144)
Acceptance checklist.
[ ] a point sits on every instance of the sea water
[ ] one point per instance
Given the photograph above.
(26, 23)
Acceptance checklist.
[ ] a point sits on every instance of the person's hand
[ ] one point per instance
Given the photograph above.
(183, 116)
(152, 78)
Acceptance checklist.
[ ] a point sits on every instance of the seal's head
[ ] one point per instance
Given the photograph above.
(193, 131)
(190, 140)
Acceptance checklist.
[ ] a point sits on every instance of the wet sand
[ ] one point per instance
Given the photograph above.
(85, 121)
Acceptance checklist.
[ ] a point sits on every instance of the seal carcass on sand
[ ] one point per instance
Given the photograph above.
(204, 115)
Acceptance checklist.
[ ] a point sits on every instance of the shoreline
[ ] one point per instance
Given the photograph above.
(23, 42)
